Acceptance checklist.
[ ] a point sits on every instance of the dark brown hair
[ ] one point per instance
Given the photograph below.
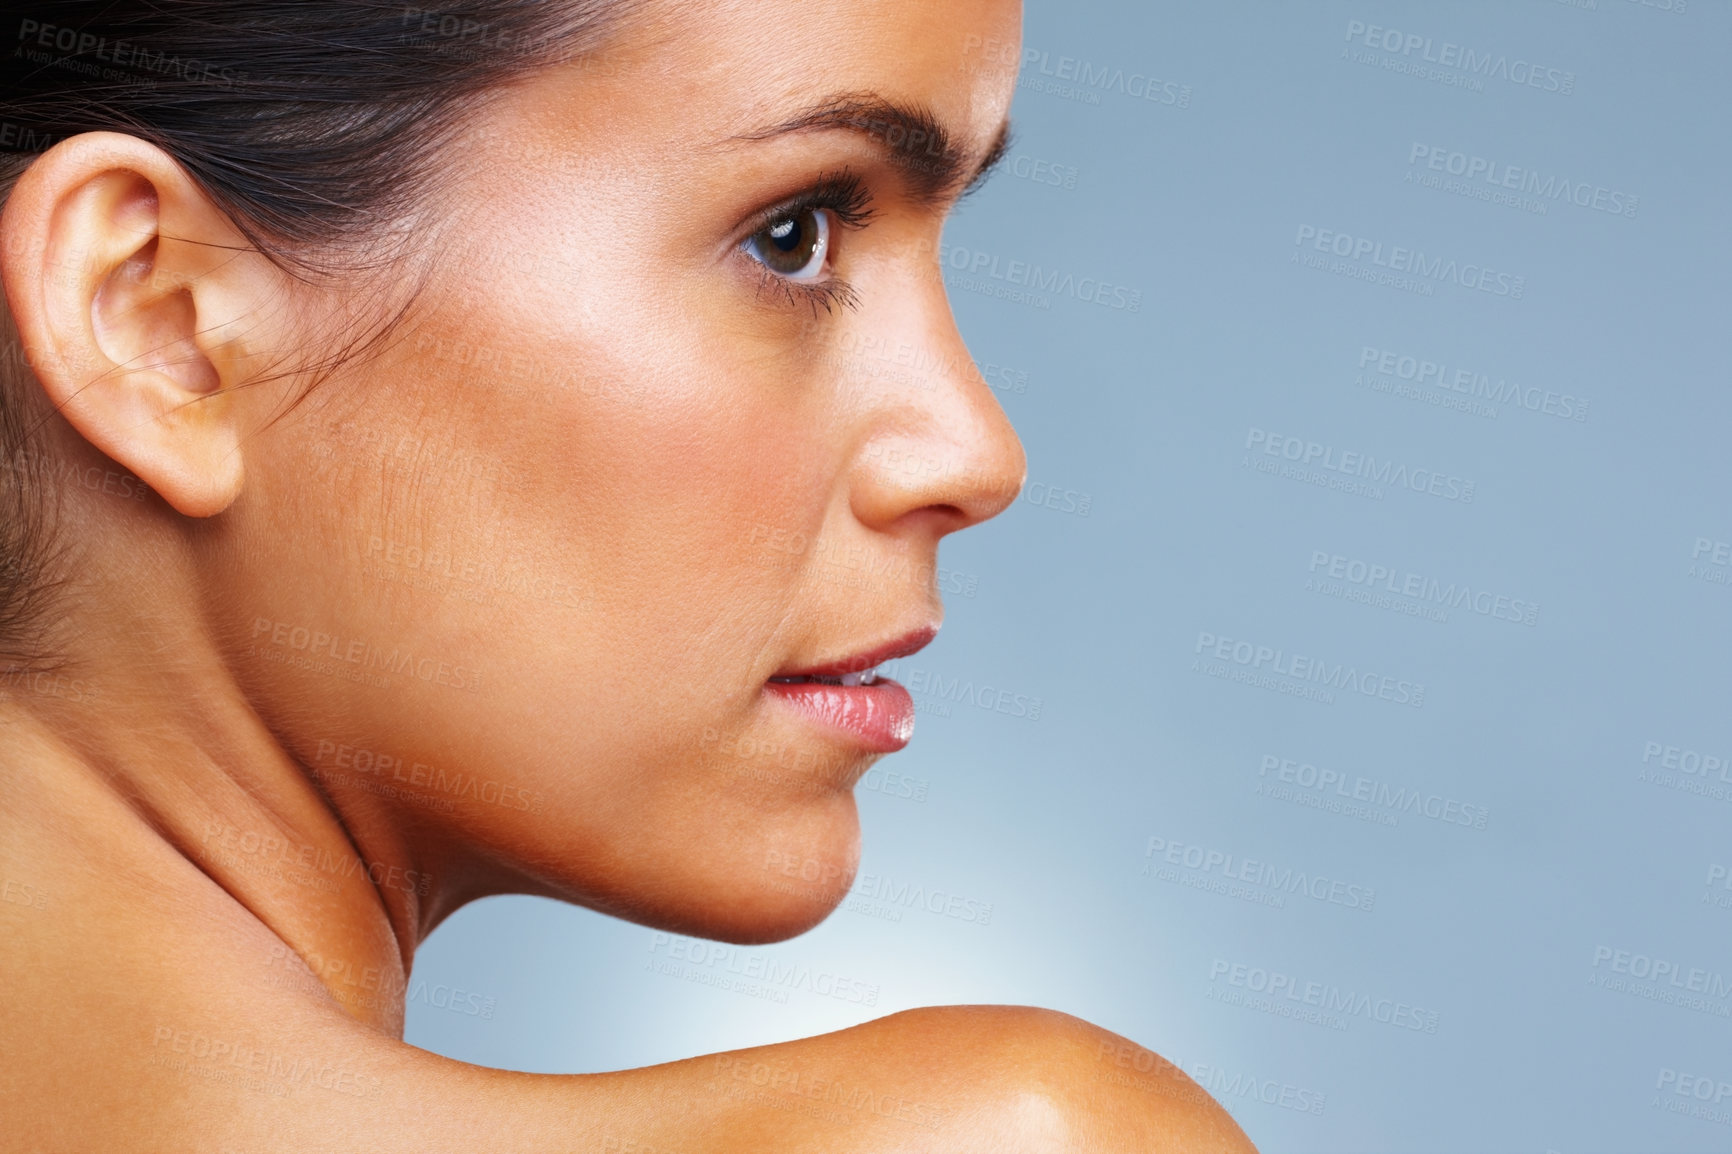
(316, 125)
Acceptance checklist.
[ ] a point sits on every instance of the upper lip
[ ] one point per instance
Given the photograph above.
(902, 646)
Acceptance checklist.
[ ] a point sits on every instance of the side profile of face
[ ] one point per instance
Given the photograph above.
(515, 589)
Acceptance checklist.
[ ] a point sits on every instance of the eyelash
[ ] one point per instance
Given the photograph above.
(847, 198)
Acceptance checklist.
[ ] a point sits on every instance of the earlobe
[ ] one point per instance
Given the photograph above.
(129, 287)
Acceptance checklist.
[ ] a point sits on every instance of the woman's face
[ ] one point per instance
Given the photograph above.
(518, 587)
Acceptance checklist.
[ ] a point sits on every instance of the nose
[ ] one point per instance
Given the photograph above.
(939, 450)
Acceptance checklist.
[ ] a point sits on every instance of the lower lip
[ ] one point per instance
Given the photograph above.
(880, 716)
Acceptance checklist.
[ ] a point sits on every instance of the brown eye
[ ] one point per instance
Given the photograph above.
(794, 245)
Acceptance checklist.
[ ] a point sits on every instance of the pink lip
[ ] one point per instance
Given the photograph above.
(879, 716)
(911, 642)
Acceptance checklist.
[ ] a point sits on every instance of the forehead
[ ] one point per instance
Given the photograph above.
(704, 76)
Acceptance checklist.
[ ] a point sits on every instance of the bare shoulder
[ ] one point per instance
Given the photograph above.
(241, 1062)
(1097, 1090)
(954, 1079)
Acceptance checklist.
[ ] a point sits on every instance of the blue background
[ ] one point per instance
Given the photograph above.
(1150, 521)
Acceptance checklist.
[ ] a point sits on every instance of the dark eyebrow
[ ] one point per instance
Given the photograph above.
(913, 139)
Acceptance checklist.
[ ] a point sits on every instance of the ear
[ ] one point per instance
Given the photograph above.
(132, 295)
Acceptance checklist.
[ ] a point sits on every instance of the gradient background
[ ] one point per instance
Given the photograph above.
(1147, 524)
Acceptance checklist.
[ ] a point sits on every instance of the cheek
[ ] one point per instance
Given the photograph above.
(684, 510)
(667, 477)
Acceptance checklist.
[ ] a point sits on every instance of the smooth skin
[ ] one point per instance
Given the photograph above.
(596, 488)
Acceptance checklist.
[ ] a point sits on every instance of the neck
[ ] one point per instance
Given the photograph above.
(139, 749)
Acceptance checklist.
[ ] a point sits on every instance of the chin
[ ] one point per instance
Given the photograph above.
(781, 884)
(769, 923)
(740, 918)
